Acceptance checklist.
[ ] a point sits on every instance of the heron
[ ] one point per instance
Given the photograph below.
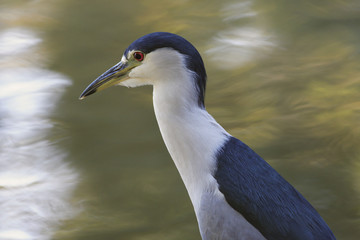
(236, 195)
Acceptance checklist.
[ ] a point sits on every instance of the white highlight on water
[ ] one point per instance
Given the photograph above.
(36, 184)
(239, 43)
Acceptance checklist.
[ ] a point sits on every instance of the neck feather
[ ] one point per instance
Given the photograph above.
(190, 133)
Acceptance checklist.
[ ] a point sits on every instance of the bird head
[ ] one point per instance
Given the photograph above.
(154, 58)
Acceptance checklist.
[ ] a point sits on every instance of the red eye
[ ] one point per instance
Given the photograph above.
(138, 56)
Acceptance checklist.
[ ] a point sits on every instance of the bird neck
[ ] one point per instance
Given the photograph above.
(191, 135)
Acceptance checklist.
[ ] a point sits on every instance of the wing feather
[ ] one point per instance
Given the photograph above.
(266, 200)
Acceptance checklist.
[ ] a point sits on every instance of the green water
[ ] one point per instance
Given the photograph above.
(283, 76)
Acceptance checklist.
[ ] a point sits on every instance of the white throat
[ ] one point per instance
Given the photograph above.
(191, 135)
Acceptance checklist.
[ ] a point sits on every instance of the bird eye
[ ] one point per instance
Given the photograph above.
(138, 56)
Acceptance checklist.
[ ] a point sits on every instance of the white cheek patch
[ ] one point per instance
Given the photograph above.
(136, 78)
(133, 82)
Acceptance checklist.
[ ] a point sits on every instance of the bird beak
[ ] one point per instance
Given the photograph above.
(113, 76)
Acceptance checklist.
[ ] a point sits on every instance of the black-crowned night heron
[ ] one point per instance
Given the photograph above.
(235, 193)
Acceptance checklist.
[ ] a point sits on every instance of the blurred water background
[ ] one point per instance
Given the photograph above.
(283, 76)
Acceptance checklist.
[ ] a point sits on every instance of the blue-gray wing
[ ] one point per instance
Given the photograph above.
(265, 199)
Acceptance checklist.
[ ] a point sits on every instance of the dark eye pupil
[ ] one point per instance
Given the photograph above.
(139, 56)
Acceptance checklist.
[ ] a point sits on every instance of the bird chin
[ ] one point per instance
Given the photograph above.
(133, 82)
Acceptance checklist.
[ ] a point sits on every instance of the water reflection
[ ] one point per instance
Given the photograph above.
(36, 184)
(241, 46)
(16, 40)
(240, 43)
